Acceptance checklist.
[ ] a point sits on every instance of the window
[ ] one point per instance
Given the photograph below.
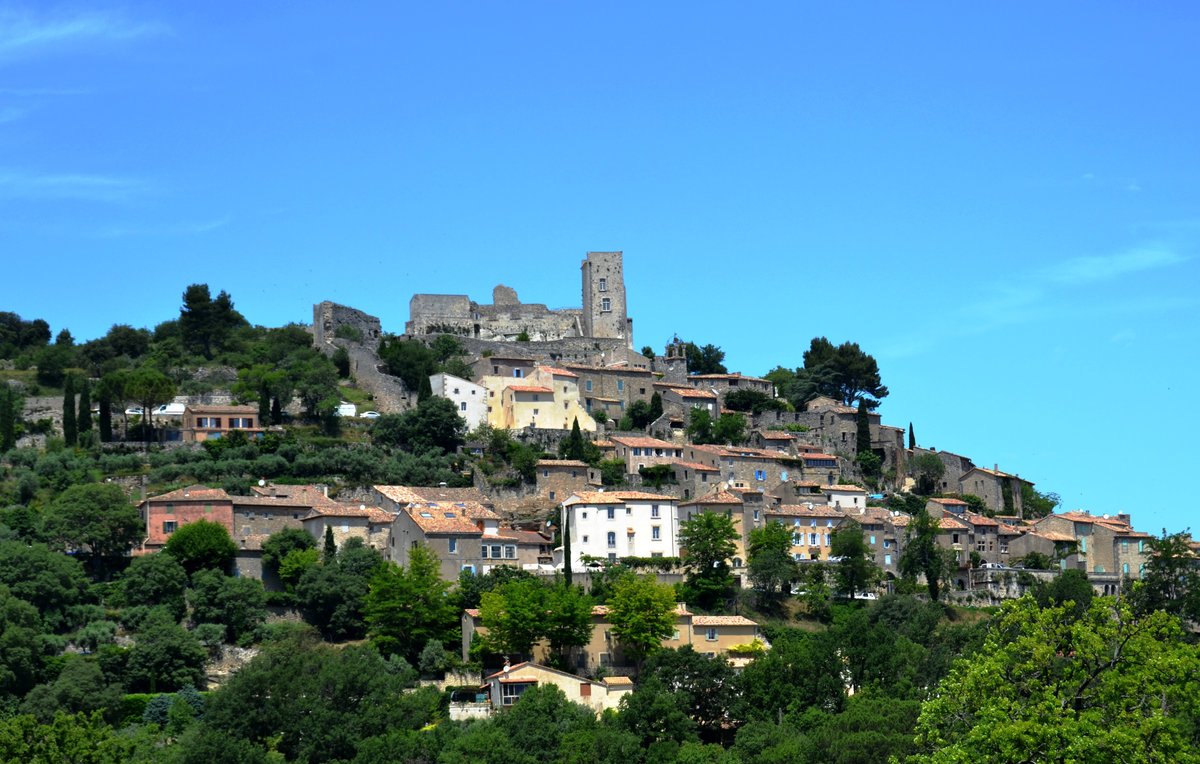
(208, 509)
(710, 634)
(1125, 568)
(585, 515)
(812, 539)
(603, 285)
(760, 474)
(495, 551)
(453, 543)
(510, 552)
(552, 496)
(587, 385)
(585, 539)
(169, 526)
(873, 539)
(783, 475)
(511, 691)
(517, 373)
(756, 515)
(656, 554)
(545, 473)
(585, 689)
(612, 540)
(470, 568)
(462, 406)
(620, 385)
(612, 513)
(612, 556)
(656, 532)
(171, 511)
(887, 559)
(606, 305)
(654, 510)
(482, 552)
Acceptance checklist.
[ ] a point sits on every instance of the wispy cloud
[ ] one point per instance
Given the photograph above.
(1043, 293)
(24, 34)
(98, 188)
(177, 229)
(1087, 270)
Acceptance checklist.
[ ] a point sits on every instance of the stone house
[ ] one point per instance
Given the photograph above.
(679, 401)
(559, 478)
(774, 440)
(881, 534)
(848, 497)
(469, 399)
(710, 635)
(506, 686)
(614, 524)
(999, 490)
(694, 478)
(346, 521)
(508, 366)
(745, 518)
(166, 513)
(612, 389)
(812, 527)
(1105, 545)
(641, 451)
(201, 423)
(723, 384)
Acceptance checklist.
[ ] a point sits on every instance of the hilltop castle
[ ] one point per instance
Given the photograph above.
(603, 315)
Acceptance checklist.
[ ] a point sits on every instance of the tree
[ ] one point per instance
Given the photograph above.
(854, 569)
(21, 645)
(70, 426)
(1035, 504)
(568, 620)
(929, 469)
(730, 429)
(639, 415)
(9, 407)
(912, 439)
(1068, 586)
(700, 427)
(333, 595)
(84, 419)
(705, 360)
(1170, 581)
(863, 429)
(406, 607)
(574, 446)
(81, 687)
(205, 324)
(642, 613)
(202, 545)
(923, 555)
(708, 541)
(843, 372)
(1049, 685)
(514, 617)
(97, 521)
(330, 551)
(280, 543)
(341, 362)
(155, 580)
(149, 387)
(110, 388)
(52, 364)
(50, 581)
(656, 406)
(753, 401)
(770, 565)
(165, 656)
(239, 604)
(434, 423)
(702, 687)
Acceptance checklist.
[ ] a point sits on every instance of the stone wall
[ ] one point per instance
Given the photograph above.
(328, 317)
(389, 393)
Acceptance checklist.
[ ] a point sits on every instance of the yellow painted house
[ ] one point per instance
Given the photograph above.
(546, 398)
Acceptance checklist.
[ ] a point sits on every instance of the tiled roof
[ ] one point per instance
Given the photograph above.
(561, 463)
(376, 516)
(840, 488)
(339, 510)
(558, 372)
(975, 519)
(803, 510)
(696, 466)
(617, 681)
(602, 610)
(529, 538)
(722, 620)
(222, 409)
(814, 457)
(691, 392)
(607, 369)
(643, 442)
(950, 524)
(529, 389)
(404, 494)
(804, 483)
(193, 493)
(718, 497)
(618, 497)
(777, 435)
(952, 502)
(439, 523)
(1053, 535)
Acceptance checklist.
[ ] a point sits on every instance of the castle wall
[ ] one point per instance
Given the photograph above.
(604, 308)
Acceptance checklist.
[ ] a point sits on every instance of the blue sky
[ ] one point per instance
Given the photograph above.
(999, 202)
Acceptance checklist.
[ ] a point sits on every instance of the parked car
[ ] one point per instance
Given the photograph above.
(134, 411)
(369, 415)
(170, 409)
(346, 409)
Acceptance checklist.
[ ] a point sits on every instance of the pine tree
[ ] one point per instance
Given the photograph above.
(8, 418)
(85, 407)
(69, 425)
(912, 439)
(656, 409)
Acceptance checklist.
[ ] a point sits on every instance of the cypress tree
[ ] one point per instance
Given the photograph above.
(70, 427)
(264, 407)
(656, 409)
(330, 545)
(864, 428)
(105, 417)
(85, 406)
(912, 439)
(276, 411)
(575, 443)
(8, 418)
(426, 390)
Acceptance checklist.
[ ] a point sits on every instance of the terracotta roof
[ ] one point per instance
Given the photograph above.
(404, 494)
(845, 488)
(285, 497)
(777, 435)
(722, 620)
(193, 493)
(221, 409)
(813, 457)
(954, 502)
(1053, 535)
(339, 510)
(377, 516)
(618, 497)
(472, 611)
(529, 389)
(602, 610)
(617, 681)
(561, 463)
(643, 442)
(995, 473)
(558, 372)
(950, 524)
(975, 519)
(803, 510)
(526, 537)
(437, 522)
(696, 466)
(717, 497)
(692, 392)
(610, 369)
(804, 483)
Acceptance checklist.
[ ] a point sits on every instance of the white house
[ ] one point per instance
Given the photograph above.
(615, 524)
(469, 398)
(845, 496)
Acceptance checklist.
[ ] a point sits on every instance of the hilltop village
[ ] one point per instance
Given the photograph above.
(436, 542)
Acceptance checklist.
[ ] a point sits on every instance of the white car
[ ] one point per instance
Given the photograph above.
(134, 411)
(369, 415)
(170, 409)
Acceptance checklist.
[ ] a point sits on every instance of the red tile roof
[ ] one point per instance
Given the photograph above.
(529, 389)
(193, 493)
(643, 442)
(696, 466)
(717, 497)
(618, 497)
(722, 620)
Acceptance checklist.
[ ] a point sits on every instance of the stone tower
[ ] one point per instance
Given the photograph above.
(604, 311)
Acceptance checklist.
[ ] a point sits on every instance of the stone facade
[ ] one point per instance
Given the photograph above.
(604, 310)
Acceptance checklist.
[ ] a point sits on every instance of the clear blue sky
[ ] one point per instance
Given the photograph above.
(1000, 202)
